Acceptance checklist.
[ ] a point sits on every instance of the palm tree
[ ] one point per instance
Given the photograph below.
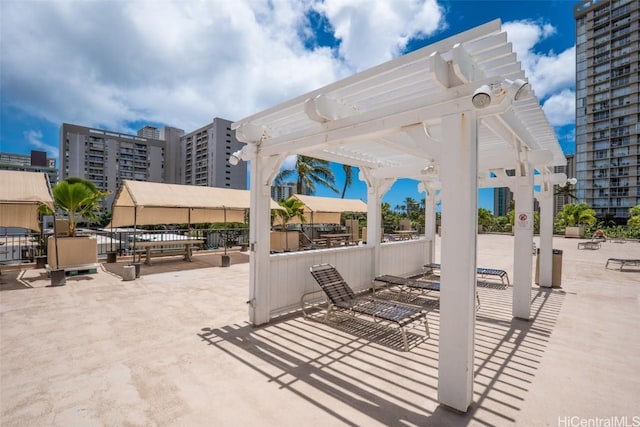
(77, 196)
(348, 178)
(290, 208)
(309, 172)
(567, 191)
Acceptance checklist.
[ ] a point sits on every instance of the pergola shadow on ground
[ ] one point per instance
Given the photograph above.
(361, 364)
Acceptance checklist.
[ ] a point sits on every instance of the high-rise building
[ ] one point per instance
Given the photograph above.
(502, 197)
(37, 161)
(172, 152)
(283, 192)
(150, 132)
(106, 158)
(607, 106)
(559, 199)
(205, 153)
(501, 201)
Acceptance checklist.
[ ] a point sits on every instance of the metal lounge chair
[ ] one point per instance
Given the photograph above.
(414, 285)
(622, 262)
(483, 272)
(342, 297)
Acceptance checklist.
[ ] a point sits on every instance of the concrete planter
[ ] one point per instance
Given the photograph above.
(73, 252)
(285, 241)
(574, 232)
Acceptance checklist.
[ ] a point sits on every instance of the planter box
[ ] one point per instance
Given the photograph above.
(281, 241)
(576, 232)
(73, 252)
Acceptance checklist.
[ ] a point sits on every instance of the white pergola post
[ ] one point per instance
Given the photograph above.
(545, 277)
(375, 190)
(260, 236)
(458, 255)
(430, 222)
(523, 242)
(374, 220)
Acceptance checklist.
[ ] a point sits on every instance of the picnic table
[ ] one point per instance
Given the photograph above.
(336, 239)
(406, 234)
(175, 247)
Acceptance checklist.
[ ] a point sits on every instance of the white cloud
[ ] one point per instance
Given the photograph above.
(548, 72)
(560, 108)
(372, 32)
(174, 62)
(181, 63)
(289, 162)
(34, 139)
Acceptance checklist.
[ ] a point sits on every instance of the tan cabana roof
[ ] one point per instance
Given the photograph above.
(151, 203)
(327, 210)
(20, 195)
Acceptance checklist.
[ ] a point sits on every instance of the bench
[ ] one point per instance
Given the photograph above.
(166, 248)
(483, 272)
(623, 262)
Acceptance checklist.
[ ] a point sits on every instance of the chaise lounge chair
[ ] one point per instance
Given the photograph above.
(622, 262)
(413, 285)
(483, 272)
(342, 297)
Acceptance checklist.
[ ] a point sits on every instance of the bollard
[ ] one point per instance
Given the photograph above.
(129, 273)
(226, 260)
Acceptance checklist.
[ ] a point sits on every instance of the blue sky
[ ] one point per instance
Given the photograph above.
(119, 65)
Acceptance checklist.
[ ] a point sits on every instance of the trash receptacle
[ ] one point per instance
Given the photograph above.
(136, 266)
(111, 257)
(556, 269)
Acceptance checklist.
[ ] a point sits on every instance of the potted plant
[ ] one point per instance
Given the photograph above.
(290, 208)
(573, 217)
(76, 197)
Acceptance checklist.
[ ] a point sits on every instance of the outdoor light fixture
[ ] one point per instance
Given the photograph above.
(572, 181)
(517, 88)
(495, 92)
(235, 158)
(430, 170)
(482, 97)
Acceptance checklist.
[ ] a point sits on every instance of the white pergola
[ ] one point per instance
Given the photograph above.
(454, 116)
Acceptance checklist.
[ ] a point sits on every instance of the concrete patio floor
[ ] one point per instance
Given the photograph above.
(174, 348)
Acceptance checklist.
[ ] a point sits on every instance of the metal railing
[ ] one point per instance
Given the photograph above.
(18, 248)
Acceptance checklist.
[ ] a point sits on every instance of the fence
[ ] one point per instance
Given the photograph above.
(18, 248)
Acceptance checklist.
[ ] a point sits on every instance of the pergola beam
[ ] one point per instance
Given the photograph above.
(374, 124)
